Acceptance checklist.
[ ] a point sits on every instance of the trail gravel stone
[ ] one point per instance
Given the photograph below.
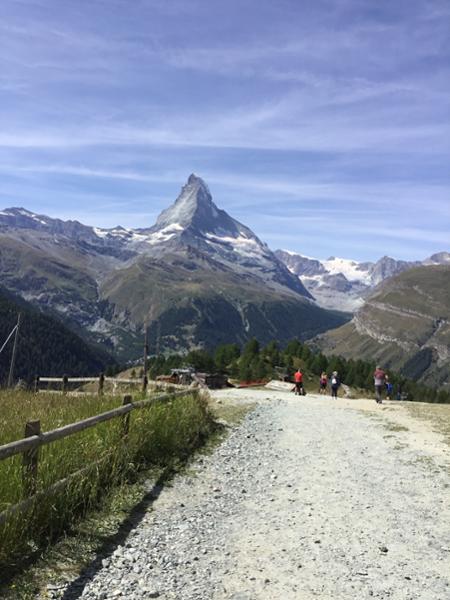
(305, 499)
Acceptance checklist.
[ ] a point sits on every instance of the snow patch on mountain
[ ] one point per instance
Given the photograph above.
(243, 245)
(351, 269)
(335, 283)
(163, 235)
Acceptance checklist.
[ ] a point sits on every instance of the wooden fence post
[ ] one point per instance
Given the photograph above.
(101, 383)
(126, 418)
(36, 384)
(65, 384)
(30, 460)
(144, 383)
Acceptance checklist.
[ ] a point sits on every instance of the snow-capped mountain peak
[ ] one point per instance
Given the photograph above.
(440, 258)
(20, 216)
(351, 269)
(194, 221)
(193, 207)
(341, 283)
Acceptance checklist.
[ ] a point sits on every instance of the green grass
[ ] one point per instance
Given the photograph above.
(159, 435)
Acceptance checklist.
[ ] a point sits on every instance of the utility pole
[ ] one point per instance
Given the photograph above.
(144, 377)
(14, 352)
(158, 337)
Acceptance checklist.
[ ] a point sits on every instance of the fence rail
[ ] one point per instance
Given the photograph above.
(64, 382)
(34, 439)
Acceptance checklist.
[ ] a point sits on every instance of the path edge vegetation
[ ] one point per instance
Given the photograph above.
(162, 439)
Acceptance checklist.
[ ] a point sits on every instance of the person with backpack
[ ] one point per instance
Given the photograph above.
(379, 379)
(298, 379)
(335, 383)
(323, 382)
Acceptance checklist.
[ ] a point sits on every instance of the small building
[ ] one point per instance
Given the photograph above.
(213, 381)
(187, 375)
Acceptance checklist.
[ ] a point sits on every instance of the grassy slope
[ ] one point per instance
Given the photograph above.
(414, 309)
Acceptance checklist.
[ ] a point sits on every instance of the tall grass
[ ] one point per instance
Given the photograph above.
(158, 435)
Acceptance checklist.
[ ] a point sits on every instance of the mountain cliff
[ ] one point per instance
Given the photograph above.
(404, 324)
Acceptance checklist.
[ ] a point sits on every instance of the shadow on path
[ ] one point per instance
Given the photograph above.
(75, 589)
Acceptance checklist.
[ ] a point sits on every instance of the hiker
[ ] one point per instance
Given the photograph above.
(389, 389)
(323, 381)
(379, 379)
(335, 383)
(298, 378)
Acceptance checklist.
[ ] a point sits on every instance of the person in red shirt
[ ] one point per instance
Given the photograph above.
(298, 378)
(379, 379)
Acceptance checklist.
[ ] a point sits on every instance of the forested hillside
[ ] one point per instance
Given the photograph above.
(45, 346)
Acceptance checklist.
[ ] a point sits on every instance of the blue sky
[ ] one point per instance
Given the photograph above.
(324, 125)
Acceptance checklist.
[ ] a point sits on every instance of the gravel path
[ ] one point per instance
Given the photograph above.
(307, 498)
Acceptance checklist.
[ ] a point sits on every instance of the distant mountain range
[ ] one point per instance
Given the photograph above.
(197, 278)
(343, 284)
(404, 324)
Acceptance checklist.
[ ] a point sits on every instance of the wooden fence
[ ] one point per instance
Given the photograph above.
(64, 382)
(35, 438)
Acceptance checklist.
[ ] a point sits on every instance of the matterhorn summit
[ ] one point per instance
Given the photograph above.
(193, 207)
(194, 210)
(193, 223)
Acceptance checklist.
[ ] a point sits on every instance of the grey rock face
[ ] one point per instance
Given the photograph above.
(440, 258)
(388, 267)
(301, 265)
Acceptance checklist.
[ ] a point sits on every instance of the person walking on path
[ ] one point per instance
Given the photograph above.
(298, 379)
(389, 389)
(323, 383)
(379, 379)
(335, 383)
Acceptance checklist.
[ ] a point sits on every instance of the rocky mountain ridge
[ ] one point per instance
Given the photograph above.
(196, 277)
(343, 284)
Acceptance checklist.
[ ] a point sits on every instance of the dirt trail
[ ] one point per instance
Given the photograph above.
(307, 498)
(361, 507)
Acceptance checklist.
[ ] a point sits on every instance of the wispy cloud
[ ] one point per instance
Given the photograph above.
(311, 108)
